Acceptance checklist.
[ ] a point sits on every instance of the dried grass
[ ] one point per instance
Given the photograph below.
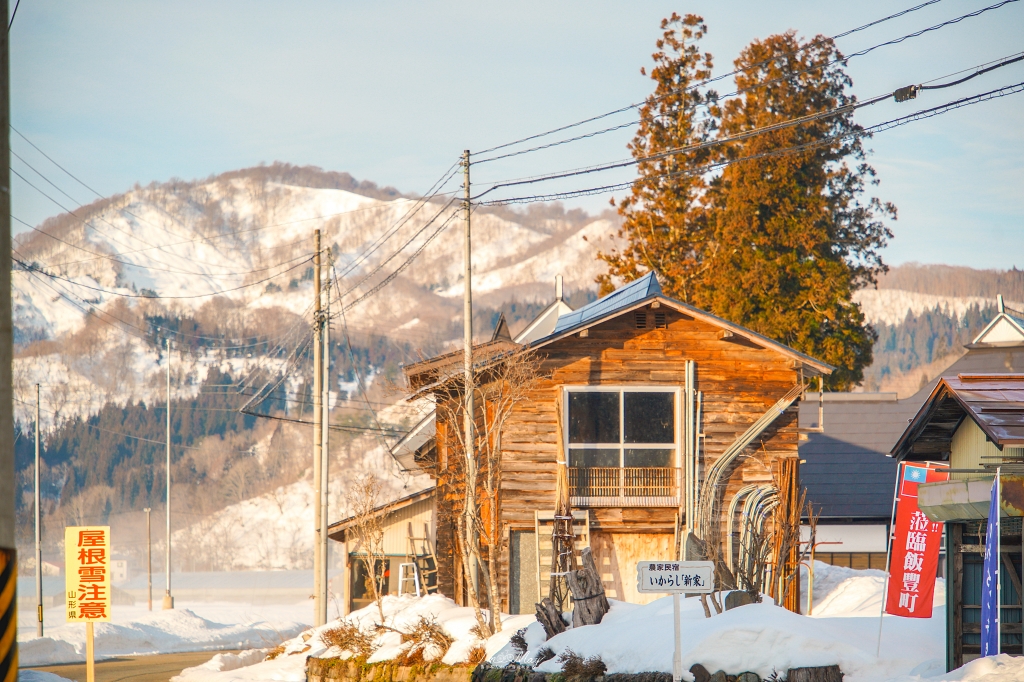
(427, 642)
(275, 652)
(575, 668)
(518, 642)
(477, 655)
(350, 638)
(544, 653)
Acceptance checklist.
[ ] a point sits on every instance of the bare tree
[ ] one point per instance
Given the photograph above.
(505, 382)
(364, 498)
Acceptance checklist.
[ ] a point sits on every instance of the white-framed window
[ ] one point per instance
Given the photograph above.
(622, 426)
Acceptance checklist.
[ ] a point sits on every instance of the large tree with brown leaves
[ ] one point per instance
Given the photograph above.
(783, 236)
(665, 225)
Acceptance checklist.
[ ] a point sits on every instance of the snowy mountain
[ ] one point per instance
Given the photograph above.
(234, 253)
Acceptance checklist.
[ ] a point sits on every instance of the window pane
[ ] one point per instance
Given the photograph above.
(600, 457)
(594, 417)
(649, 417)
(645, 457)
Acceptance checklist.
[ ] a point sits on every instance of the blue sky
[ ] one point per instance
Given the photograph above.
(138, 91)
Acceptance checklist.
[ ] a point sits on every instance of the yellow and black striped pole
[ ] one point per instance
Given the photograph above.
(8, 616)
(8, 555)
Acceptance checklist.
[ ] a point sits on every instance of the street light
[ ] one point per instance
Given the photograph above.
(149, 559)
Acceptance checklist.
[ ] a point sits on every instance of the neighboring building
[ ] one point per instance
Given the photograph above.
(118, 571)
(651, 397)
(849, 475)
(409, 526)
(975, 422)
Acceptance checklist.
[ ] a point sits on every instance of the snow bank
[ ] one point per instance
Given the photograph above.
(25, 675)
(632, 638)
(160, 632)
(400, 613)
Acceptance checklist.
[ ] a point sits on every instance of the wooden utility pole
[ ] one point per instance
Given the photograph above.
(8, 521)
(325, 452)
(168, 599)
(318, 557)
(467, 367)
(39, 545)
(149, 560)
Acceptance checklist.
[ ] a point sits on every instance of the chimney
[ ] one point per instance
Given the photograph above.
(558, 291)
(999, 302)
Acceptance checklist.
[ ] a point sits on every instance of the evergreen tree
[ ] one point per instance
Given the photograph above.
(781, 239)
(665, 225)
(793, 238)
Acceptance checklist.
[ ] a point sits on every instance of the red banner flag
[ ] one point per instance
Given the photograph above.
(915, 547)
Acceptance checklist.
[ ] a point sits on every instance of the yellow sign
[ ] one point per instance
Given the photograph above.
(87, 567)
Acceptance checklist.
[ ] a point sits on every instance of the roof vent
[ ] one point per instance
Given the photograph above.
(641, 319)
(660, 321)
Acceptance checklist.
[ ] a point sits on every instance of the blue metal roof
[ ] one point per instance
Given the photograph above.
(635, 291)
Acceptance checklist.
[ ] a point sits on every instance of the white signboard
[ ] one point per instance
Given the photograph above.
(689, 577)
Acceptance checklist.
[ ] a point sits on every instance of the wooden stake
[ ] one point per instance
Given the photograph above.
(90, 653)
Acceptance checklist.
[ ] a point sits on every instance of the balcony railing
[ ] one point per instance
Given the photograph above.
(624, 486)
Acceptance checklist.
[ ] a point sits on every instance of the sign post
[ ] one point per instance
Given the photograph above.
(676, 577)
(87, 583)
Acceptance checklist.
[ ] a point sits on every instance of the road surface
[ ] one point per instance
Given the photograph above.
(154, 668)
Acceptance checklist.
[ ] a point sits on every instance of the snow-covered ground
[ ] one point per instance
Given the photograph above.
(191, 626)
(633, 638)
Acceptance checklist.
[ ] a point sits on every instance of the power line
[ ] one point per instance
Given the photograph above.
(387, 280)
(637, 105)
(86, 223)
(740, 91)
(148, 267)
(838, 111)
(880, 127)
(29, 266)
(431, 193)
(145, 335)
(387, 260)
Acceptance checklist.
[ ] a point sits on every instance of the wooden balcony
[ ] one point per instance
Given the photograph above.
(624, 486)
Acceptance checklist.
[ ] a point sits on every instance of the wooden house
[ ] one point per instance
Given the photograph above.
(647, 401)
(975, 422)
(407, 564)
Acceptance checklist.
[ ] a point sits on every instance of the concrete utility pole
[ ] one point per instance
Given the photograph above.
(149, 560)
(8, 552)
(39, 544)
(318, 444)
(168, 599)
(325, 452)
(467, 367)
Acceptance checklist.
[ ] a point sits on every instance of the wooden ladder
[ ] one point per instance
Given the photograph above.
(421, 554)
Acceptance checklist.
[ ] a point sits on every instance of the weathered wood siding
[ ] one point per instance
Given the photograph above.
(739, 380)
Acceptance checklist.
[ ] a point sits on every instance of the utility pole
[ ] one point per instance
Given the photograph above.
(149, 560)
(8, 520)
(325, 453)
(39, 544)
(318, 444)
(467, 371)
(168, 599)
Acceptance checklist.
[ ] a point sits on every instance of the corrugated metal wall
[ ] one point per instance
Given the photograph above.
(970, 449)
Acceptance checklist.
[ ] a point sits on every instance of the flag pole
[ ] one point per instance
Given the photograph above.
(888, 555)
(999, 562)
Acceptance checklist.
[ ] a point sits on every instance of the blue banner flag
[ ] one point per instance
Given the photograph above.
(990, 579)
